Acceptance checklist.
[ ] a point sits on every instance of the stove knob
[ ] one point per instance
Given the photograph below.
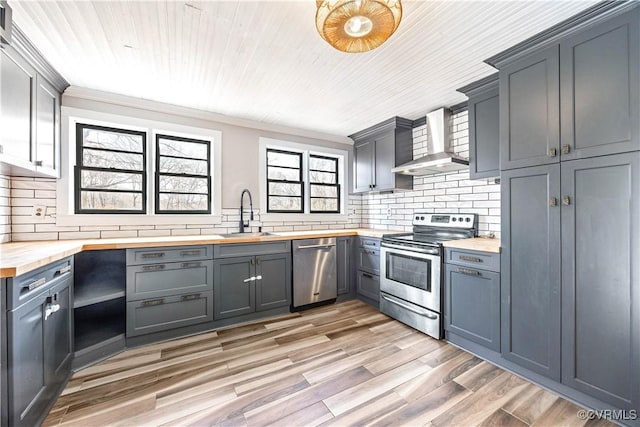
(422, 218)
(460, 219)
(453, 219)
(468, 219)
(417, 218)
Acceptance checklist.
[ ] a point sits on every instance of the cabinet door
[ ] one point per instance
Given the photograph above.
(47, 127)
(599, 83)
(601, 278)
(58, 337)
(484, 135)
(343, 253)
(385, 160)
(26, 374)
(234, 291)
(531, 268)
(529, 111)
(472, 305)
(273, 289)
(17, 85)
(364, 158)
(368, 285)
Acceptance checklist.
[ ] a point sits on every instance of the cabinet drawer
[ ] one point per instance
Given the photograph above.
(181, 253)
(157, 280)
(368, 285)
(161, 314)
(26, 286)
(476, 259)
(369, 260)
(370, 243)
(239, 249)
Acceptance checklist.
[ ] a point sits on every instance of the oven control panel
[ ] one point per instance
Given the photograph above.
(445, 220)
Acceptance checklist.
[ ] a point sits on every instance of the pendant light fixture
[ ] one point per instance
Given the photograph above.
(357, 25)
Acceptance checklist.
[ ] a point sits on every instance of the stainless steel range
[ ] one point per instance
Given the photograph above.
(411, 269)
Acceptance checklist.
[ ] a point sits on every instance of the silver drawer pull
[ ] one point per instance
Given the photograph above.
(369, 243)
(368, 252)
(37, 283)
(63, 270)
(50, 309)
(250, 279)
(153, 267)
(190, 297)
(153, 255)
(153, 302)
(470, 258)
(325, 246)
(191, 264)
(258, 277)
(367, 275)
(421, 312)
(469, 272)
(190, 253)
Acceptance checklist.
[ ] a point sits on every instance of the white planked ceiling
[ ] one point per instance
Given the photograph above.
(264, 61)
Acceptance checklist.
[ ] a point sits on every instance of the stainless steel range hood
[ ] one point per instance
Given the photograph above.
(440, 157)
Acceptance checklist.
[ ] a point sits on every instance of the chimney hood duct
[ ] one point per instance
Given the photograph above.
(440, 157)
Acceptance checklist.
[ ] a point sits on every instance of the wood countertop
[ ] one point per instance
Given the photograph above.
(21, 257)
(482, 244)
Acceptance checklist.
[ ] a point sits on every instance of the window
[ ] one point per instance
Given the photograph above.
(285, 189)
(110, 170)
(183, 181)
(324, 187)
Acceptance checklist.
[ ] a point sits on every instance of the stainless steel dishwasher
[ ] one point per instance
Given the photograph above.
(315, 274)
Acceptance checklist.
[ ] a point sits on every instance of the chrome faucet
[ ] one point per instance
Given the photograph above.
(242, 224)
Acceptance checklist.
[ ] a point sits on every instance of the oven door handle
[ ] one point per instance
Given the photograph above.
(424, 313)
(433, 251)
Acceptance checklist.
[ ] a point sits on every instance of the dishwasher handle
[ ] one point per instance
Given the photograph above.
(322, 246)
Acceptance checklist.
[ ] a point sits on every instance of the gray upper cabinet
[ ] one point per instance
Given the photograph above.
(601, 278)
(484, 127)
(599, 89)
(377, 150)
(530, 268)
(529, 111)
(47, 141)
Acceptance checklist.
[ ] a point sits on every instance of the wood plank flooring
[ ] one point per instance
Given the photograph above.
(339, 365)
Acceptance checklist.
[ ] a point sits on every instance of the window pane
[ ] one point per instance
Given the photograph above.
(285, 203)
(111, 201)
(323, 177)
(112, 140)
(194, 150)
(110, 159)
(284, 174)
(183, 185)
(275, 158)
(184, 202)
(111, 180)
(281, 189)
(191, 167)
(322, 164)
(324, 191)
(327, 205)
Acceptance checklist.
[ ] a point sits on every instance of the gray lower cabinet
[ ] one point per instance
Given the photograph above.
(251, 278)
(168, 288)
(531, 268)
(343, 255)
(472, 299)
(601, 278)
(368, 269)
(368, 285)
(40, 344)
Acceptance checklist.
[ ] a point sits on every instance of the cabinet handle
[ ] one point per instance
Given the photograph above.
(50, 309)
(191, 264)
(368, 252)
(566, 200)
(250, 279)
(153, 267)
(552, 152)
(36, 284)
(252, 261)
(367, 275)
(190, 253)
(553, 202)
(190, 297)
(153, 302)
(470, 258)
(469, 272)
(259, 277)
(369, 243)
(63, 270)
(38, 163)
(153, 255)
(324, 246)
(566, 148)
(258, 261)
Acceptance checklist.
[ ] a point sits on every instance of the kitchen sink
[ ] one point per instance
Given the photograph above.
(238, 235)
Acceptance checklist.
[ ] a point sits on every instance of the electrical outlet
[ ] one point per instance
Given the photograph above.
(389, 213)
(39, 211)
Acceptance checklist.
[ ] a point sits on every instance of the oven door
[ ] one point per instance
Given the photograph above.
(412, 275)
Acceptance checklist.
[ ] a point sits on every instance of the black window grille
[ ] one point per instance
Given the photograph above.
(285, 187)
(183, 175)
(110, 172)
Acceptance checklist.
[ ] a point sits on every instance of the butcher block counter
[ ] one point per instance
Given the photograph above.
(21, 257)
(482, 244)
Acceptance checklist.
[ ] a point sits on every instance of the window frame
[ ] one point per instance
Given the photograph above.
(300, 182)
(336, 185)
(160, 135)
(79, 167)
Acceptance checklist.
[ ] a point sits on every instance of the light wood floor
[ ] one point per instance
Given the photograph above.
(344, 365)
